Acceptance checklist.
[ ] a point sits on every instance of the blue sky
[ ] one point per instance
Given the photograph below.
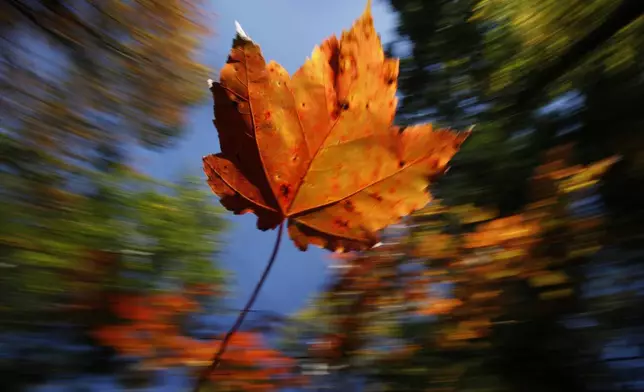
(287, 31)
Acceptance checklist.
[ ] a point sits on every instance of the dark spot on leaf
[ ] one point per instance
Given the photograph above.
(376, 196)
(348, 205)
(344, 105)
(341, 223)
(294, 157)
(391, 81)
(303, 104)
(285, 190)
(401, 163)
(367, 105)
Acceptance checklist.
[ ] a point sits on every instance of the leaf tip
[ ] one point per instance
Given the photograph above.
(367, 9)
(210, 82)
(241, 33)
(465, 135)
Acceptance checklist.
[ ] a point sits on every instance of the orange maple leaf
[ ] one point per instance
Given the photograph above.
(319, 148)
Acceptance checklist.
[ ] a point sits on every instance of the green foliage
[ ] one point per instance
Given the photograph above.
(471, 60)
(161, 233)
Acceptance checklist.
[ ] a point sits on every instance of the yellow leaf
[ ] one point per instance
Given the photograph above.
(548, 279)
(509, 254)
(507, 273)
(555, 294)
(486, 295)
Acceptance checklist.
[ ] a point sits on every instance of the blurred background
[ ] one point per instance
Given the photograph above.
(120, 271)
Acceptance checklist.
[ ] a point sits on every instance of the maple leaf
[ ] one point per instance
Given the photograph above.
(319, 148)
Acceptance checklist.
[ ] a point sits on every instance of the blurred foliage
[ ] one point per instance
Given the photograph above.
(526, 276)
(84, 83)
(476, 61)
(461, 298)
(152, 227)
(149, 327)
(86, 77)
(117, 232)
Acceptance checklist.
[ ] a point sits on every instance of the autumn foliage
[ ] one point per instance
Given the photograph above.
(148, 327)
(467, 269)
(319, 147)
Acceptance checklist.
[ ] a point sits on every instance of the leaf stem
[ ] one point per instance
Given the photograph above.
(216, 360)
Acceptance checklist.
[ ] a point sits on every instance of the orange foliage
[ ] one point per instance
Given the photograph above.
(327, 347)
(439, 306)
(488, 263)
(436, 246)
(149, 328)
